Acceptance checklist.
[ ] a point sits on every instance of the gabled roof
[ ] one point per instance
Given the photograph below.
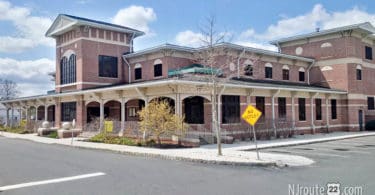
(365, 27)
(64, 23)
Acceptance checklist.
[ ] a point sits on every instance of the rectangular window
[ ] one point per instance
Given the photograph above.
(282, 107)
(318, 109)
(359, 74)
(368, 51)
(107, 66)
(370, 103)
(301, 76)
(302, 109)
(260, 105)
(132, 112)
(158, 70)
(68, 111)
(285, 74)
(268, 72)
(230, 109)
(137, 73)
(334, 109)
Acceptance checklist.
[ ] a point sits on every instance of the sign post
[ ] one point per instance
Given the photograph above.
(251, 116)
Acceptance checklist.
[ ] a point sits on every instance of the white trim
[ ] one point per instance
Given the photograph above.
(345, 61)
(137, 65)
(285, 67)
(68, 53)
(268, 65)
(158, 61)
(84, 83)
(301, 69)
(92, 39)
(248, 62)
(358, 67)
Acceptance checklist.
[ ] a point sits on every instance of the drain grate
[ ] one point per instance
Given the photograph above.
(341, 149)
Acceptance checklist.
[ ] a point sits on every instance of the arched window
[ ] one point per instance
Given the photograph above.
(158, 68)
(268, 71)
(285, 72)
(138, 71)
(248, 68)
(301, 73)
(359, 72)
(68, 69)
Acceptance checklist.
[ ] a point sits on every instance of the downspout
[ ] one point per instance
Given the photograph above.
(131, 43)
(129, 69)
(238, 63)
(308, 71)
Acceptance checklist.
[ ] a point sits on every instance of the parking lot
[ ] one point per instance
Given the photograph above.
(341, 149)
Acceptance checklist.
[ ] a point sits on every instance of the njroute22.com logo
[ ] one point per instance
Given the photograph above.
(333, 188)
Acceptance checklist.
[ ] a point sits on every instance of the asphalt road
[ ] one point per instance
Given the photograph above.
(353, 164)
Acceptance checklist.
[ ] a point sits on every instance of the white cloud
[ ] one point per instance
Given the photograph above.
(137, 17)
(30, 75)
(189, 38)
(30, 29)
(318, 17)
(257, 45)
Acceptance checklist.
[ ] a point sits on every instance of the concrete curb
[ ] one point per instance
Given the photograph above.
(306, 142)
(152, 155)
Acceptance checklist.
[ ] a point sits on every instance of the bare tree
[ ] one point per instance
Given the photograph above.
(224, 64)
(8, 89)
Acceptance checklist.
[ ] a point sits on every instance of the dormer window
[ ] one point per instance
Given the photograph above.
(268, 71)
(158, 68)
(301, 73)
(285, 73)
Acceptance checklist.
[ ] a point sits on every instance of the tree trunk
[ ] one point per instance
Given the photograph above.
(215, 122)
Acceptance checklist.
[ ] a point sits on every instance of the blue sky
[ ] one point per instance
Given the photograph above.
(26, 56)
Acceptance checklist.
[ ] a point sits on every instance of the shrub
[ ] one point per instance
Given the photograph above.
(111, 139)
(19, 130)
(370, 125)
(52, 135)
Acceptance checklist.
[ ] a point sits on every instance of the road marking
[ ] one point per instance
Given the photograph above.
(58, 180)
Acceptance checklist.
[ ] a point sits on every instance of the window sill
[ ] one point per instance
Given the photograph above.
(108, 77)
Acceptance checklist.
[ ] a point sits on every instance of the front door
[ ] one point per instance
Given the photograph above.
(360, 120)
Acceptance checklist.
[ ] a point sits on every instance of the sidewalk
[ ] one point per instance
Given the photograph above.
(233, 154)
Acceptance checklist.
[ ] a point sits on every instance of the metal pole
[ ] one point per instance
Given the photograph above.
(256, 143)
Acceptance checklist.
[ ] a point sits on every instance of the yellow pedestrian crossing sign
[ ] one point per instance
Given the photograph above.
(251, 115)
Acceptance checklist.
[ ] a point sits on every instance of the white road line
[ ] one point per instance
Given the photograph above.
(307, 153)
(58, 180)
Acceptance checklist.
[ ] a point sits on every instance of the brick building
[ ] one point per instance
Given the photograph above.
(322, 81)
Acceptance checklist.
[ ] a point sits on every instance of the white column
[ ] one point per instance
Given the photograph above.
(36, 113)
(312, 113)
(123, 114)
(327, 112)
(273, 114)
(178, 105)
(45, 113)
(101, 115)
(20, 115)
(293, 112)
(8, 119)
(27, 114)
(12, 118)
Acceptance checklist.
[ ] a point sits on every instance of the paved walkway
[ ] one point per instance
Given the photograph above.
(232, 153)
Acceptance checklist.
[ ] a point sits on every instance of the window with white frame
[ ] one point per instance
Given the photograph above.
(359, 72)
(68, 69)
(285, 72)
(301, 74)
(138, 72)
(268, 71)
(158, 68)
(132, 111)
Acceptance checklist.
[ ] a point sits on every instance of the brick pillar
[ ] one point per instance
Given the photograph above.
(80, 114)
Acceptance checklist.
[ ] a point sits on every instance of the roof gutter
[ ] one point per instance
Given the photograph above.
(308, 71)
(129, 69)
